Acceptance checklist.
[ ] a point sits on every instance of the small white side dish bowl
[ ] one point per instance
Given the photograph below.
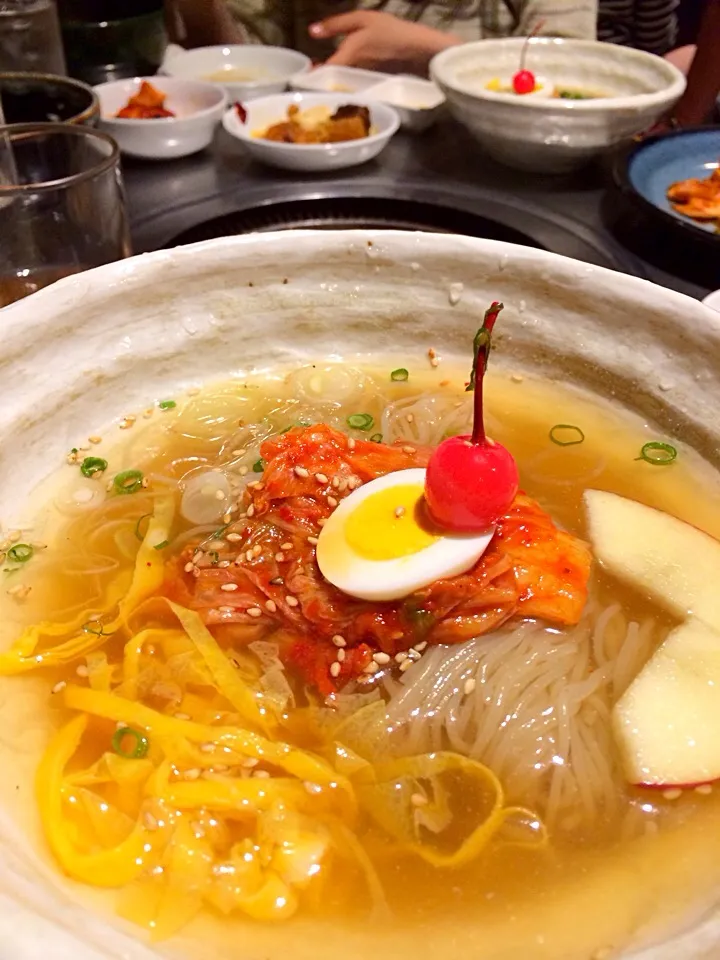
(198, 109)
(246, 71)
(310, 158)
(553, 135)
(418, 102)
(338, 79)
(712, 300)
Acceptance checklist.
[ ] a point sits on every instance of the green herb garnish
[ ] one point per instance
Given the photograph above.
(566, 435)
(360, 421)
(95, 627)
(92, 465)
(20, 553)
(376, 438)
(167, 405)
(658, 454)
(259, 466)
(214, 557)
(139, 748)
(161, 546)
(399, 375)
(138, 532)
(129, 481)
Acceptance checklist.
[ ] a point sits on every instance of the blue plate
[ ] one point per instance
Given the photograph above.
(661, 161)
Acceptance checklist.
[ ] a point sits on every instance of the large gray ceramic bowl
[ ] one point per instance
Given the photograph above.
(83, 352)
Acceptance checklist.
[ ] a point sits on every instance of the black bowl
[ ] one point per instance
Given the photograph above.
(44, 98)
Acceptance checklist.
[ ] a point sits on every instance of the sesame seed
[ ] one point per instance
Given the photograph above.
(59, 686)
(339, 641)
(340, 655)
(257, 550)
(434, 362)
(409, 417)
(469, 686)
(251, 510)
(192, 774)
(321, 522)
(409, 450)
(405, 665)
(261, 775)
(335, 669)
(271, 606)
(351, 443)
(182, 716)
(249, 763)
(238, 453)
(302, 472)
(673, 794)
(332, 501)
(233, 537)
(342, 486)
(372, 667)
(354, 482)
(254, 612)
(229, 587)
(279, 557)
(286, 546)
(335, 482)
(419, 800)
(150, 821)
(399, 512)
(312, 541)
(82, 671)
(381, 658)
(292, 601)
(517, 378)
(321, 478)
(312, 788)
(249, 555)
(227, 609)
(243, 471)
(207, 747)
(420, 646)
(95, 439)
(197, 829)
(219, 495)
(400, 657)
(704, 789)
(259, 486)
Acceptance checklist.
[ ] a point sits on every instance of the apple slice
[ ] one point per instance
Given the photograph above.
(667, 723)
(674, 563)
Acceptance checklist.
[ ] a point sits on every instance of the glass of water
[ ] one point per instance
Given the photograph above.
(62, 205)
(30, 38)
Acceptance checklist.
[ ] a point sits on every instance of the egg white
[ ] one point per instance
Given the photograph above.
(380, 580)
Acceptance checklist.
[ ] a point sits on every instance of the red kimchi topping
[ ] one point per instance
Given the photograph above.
(272, 581)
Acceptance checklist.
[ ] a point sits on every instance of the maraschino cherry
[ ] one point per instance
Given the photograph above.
(472, 480)
(524, 80)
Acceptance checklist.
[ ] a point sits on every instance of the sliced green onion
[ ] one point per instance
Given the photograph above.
(360, 421)
(400, 374)
(74, 450)
(129, 481)
(259, 466)
(566, 435)
(138, 532)
(214, 557)
(376, 438)
(92, 465)
(20, 553)
(658, 454)
(140, 746)
(161, 546)
(218, 535)
(167, 404)
(95, 627)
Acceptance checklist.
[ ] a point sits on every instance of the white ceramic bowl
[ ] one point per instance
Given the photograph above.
(310, 158)
(153, 326)
(712, 300)
(554, 135)
(198, 109)
(265, 70)
(419, 103)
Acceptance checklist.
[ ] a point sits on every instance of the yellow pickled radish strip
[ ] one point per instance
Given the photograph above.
(247, 797)
(114, 867)
(147, 578)
(99, 671)
(275, 900)
(111, 768)
(246, 701)
(295, 761)
(188, 867)
(134, 648)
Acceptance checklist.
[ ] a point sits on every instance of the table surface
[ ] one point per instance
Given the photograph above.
(167, 198)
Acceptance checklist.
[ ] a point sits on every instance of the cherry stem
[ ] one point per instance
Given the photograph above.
(481, 345)
(533, 33)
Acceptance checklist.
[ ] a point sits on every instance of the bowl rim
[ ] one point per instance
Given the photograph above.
(304, 63)
(127, 122)
(620, 169)
(440, 68)
(30, 76)
(241, 133)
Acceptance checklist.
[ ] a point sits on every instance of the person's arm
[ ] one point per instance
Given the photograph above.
(204, 22)
(703, 84)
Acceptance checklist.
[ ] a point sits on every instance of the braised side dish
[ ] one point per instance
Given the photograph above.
(698, 199)
(355, 660)
(318, 125)
(147, 104)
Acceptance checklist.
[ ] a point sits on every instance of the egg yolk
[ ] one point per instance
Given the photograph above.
(385, 525)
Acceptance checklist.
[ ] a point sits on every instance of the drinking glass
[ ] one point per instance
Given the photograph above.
(62, 205)
(30, 37)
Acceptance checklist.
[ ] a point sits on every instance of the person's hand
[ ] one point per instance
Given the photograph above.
(373, 39)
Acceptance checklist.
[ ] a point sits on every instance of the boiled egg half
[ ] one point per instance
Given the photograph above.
(377, 545)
